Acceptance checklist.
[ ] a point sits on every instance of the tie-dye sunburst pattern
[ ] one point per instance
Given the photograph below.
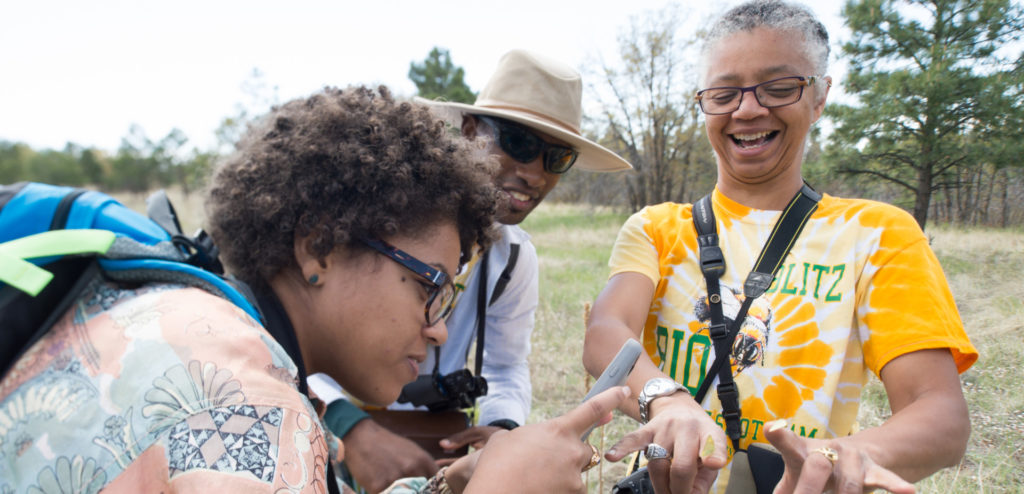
(859, 287)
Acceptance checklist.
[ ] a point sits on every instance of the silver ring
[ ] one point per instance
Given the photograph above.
(656, 452)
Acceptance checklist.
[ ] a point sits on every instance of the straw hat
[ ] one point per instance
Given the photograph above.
(542, 94)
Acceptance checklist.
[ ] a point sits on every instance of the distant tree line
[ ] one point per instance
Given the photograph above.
(139, 165)
(936, 127)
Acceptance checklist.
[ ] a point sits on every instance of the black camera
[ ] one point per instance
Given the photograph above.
(639, 482)
(456, 390)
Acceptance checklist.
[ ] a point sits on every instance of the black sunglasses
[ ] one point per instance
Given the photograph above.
(524, 146)
(440, 294)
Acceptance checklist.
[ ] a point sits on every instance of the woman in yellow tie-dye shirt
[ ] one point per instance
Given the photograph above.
(859, 292)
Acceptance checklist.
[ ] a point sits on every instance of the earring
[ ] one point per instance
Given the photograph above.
(314, 279)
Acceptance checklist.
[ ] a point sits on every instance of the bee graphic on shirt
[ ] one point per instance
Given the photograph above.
(752, 339)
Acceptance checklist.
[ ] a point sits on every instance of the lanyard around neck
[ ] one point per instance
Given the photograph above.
(712, 264)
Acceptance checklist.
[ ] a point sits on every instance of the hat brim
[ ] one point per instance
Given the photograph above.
(593, 156)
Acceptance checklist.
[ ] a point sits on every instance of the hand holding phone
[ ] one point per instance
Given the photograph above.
(616, 372)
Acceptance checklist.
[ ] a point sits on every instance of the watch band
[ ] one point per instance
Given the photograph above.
(653, 389)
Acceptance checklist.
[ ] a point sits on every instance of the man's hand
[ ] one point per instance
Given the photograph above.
(376, 457)
(808, 469)
(474, 436)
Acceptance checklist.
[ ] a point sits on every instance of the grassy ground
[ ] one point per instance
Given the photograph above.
(984, 270)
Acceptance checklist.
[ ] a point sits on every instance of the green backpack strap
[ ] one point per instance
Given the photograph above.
(16, 271)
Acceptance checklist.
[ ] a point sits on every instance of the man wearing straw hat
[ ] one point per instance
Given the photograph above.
(530, 112)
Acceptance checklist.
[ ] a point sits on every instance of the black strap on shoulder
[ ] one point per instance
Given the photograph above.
(712, 262)
(63, 211)
(280, 328)
(482, 303)
(481, 313)
(279, 325)
(34, 316)
(200, 251)
(481, 319)
(506, 274)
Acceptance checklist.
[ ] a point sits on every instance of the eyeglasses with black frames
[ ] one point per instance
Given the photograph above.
(769, 94)
(440, 289)
(524, 146)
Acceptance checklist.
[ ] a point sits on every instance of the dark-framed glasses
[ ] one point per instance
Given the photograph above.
(769, 94)
(524, 146)
(440, 289)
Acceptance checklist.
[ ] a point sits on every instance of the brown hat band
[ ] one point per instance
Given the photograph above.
(540, 116)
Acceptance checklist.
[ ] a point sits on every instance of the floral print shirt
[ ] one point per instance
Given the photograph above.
(157, 389)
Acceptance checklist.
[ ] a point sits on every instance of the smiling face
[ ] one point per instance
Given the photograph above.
(761, 149)
(523, 185)
(364, 322)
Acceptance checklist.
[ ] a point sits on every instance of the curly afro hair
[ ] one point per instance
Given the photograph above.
(338, 166)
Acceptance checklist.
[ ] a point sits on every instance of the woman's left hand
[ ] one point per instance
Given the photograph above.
(815, 466)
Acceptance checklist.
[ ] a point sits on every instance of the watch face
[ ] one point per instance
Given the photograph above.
(658, 386)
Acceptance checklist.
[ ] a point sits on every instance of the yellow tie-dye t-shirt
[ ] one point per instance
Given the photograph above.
(859, 288)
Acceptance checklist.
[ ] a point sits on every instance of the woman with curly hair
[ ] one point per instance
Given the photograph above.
(348, 213)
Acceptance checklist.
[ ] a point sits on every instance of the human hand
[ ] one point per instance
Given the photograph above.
(474, 436)
(460, 469)
(810, 470)
(544, 457)
(376, 457)
(696, 445)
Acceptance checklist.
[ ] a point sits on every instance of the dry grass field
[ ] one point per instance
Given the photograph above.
(984, 267)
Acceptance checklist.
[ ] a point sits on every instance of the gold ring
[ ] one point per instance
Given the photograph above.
(595, 458)
(830, 454)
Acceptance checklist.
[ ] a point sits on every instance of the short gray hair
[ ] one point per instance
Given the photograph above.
(772, 14)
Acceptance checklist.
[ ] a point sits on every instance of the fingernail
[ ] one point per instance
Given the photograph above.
(611, 452)
(625, 391)
(708, 449)
(778, 424)
(445, 443)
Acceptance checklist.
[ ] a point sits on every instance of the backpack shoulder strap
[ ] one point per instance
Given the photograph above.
(54, 240)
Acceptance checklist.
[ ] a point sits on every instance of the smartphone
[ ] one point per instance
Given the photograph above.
(616, 372)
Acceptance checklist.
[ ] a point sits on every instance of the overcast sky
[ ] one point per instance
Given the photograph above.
(85, 71)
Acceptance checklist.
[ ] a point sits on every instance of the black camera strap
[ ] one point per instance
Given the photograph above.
(712, 264)
(481, 310)
(481, 315)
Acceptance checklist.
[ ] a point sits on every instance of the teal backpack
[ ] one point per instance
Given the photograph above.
(55, 240)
